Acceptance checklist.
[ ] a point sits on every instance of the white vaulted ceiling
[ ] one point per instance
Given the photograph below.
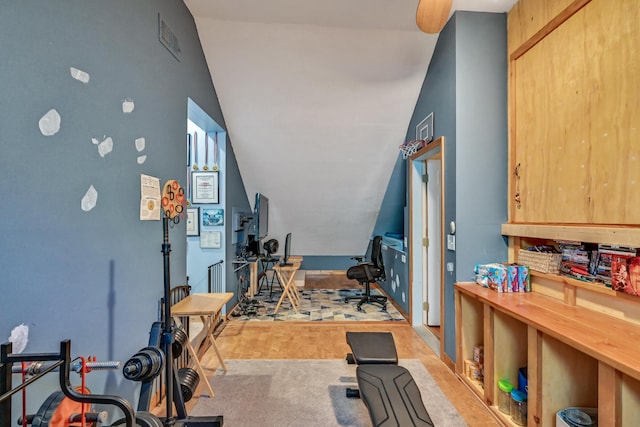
(317, 97)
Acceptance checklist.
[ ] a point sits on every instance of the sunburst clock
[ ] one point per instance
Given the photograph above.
(432, 15)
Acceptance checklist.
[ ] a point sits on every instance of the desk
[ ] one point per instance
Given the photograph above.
(286, 274)
(208, 307)
(251, 264)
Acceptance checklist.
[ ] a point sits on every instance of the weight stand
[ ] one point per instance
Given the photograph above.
(61, 360)
(171, 379)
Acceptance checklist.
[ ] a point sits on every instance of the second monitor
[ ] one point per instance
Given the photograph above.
(261, 216)
(287, 251)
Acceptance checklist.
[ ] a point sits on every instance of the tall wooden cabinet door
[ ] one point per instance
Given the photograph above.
(575, 120)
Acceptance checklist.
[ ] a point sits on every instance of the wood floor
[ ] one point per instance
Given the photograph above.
(326, 340)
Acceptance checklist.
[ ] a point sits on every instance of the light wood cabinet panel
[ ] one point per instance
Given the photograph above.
(528, 17)
(576, 125)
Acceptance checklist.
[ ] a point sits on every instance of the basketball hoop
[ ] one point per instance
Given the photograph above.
(411, 147)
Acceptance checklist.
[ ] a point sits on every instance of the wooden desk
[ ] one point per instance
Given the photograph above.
(208, 307)
(286, 274)
(251, 265)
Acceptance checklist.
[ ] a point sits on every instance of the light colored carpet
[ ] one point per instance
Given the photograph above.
(283, 393)
(318, 305)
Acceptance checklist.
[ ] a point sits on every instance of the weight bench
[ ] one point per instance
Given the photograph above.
(389, 392)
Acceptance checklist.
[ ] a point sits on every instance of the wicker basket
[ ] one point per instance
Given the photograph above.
(540, 261)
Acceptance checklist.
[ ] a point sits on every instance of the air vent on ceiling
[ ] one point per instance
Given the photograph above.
(168, 38)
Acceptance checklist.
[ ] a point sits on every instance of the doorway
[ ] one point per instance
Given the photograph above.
(426, 192)
(207, 238)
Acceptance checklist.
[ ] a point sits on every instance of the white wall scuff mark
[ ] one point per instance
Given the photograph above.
(127, 106)
(79, 75)
(50, 123)
(19, 338)
(140, 144)
(89, 199)
(142, 159)
(104, 147)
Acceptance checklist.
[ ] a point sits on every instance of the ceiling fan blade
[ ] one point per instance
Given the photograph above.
(432, 15)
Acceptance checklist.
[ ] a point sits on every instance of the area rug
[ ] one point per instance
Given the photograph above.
(298, 393)
(315, 305)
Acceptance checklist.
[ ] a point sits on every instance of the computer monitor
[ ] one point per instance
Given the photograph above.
(261, 216)
(287, 250)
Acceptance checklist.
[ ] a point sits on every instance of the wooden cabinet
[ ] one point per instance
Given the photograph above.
(574, 119)
(573, 175)
(575, 356)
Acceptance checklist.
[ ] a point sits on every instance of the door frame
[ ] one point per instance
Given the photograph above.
(417, 196)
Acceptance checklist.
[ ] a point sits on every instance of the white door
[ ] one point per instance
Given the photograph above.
(434, 249)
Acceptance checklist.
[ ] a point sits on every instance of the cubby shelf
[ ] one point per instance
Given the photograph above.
(569, 281)
(575, 356)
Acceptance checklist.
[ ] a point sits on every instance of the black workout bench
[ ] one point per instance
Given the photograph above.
(389, 392)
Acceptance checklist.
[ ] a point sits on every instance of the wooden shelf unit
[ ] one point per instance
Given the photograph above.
(582, 339)
(575, 356)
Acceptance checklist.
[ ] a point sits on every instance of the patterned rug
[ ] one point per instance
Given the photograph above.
(315, 305)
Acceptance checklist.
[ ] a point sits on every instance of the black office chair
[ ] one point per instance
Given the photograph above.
(366, 273)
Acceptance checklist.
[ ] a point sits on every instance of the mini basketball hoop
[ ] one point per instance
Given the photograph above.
(411, 147)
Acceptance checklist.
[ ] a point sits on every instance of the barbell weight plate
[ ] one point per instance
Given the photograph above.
(180, 339)
(57, 410)
(143, 419)
(145, 365)
(188, 379)
(42, 417)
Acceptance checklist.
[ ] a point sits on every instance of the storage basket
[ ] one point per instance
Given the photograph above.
(540, 261)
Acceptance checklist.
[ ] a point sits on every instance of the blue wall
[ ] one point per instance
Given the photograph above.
(466, 89)
(94, 277)
(391, 215)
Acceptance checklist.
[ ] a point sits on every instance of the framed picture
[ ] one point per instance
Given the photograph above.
(211, 239)
(204, 187)
(212, 217)
(193, 222)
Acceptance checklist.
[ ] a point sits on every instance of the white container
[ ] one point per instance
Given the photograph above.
(577, 417)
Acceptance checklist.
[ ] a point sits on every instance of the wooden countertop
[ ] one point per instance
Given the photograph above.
(608, 339)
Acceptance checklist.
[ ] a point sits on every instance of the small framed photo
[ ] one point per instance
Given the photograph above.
(204, 187)
(212, 217)
(193, 222)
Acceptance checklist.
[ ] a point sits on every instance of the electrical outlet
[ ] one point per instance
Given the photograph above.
(450, 267)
